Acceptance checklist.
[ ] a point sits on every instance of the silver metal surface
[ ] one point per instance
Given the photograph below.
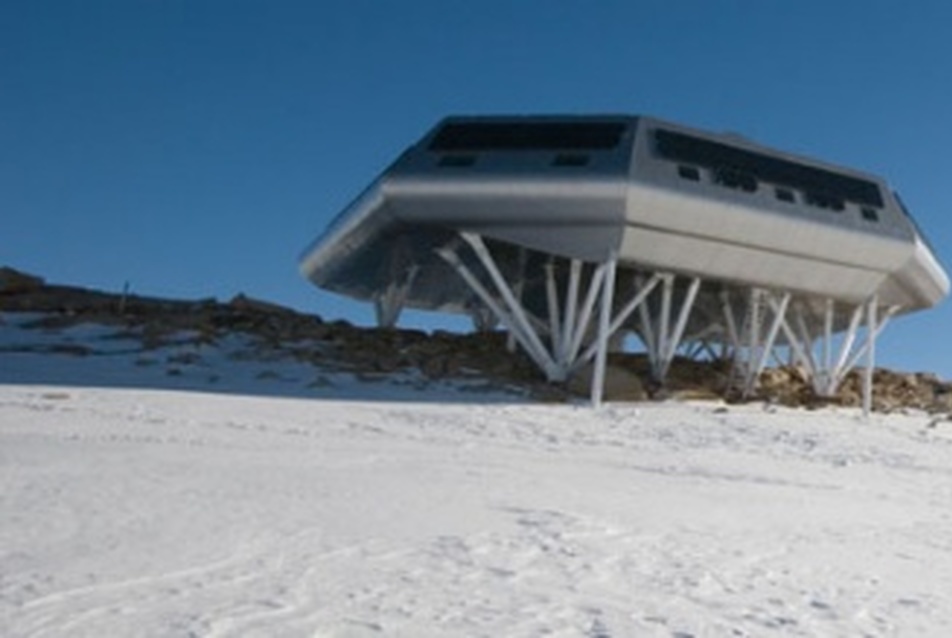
(516, 218)
(628, 199)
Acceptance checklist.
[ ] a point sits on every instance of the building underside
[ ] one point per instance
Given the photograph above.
(566, 314)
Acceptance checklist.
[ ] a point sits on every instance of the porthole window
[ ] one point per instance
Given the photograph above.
(689, 172)
(870, 214)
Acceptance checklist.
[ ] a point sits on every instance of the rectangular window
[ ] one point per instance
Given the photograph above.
(785, 195)
(870, 214)
(689, 172)
(732, 178)
(822, 200)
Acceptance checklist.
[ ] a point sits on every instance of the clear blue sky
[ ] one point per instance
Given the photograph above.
(193, 148)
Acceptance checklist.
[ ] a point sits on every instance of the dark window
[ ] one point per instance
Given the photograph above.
(733, 178)
(823, 200)
(689, 172)
(570, 159)
(679, 147)
(785, 195)
(457, 160)
(528, 136)
(870, 214)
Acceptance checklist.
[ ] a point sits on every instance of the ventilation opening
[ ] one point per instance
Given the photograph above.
(870, 214)
(785, 195)
(570, 159)
(689, 172)
(457, 161)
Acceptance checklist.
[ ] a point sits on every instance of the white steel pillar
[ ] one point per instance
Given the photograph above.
(514, 306)
(752, 346)
(730, 324)
(662, 334)
(647, 330)
(604, 324)
(675, 339)
(519, 328)
(636, 302)
(663, 339)
(567, 333)
(552, 299)
(826, 371)
(585, 315)
(870, 354)
(571, 308)
(389, 304)
(765, 348)
(520, 284)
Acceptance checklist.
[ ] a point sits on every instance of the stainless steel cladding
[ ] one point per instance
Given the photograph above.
(658, 195)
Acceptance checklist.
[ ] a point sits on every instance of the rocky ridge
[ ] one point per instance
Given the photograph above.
(373, 353)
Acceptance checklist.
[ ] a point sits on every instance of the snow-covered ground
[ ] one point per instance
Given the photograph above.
(131, 506)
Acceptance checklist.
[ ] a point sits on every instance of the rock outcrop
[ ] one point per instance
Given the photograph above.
(376, 352)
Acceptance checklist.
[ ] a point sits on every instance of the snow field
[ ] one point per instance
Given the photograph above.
(170, 513)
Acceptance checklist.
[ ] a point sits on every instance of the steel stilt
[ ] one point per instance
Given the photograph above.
(604, 320)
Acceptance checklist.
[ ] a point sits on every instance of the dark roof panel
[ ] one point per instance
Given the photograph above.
(528, 136)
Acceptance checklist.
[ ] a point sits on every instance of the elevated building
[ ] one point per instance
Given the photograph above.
(573, 231)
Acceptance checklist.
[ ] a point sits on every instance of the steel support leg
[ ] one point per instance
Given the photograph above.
(663, 332)
(881, 324)
(552, 298)
(848, 340)
(520, 283)
(585, 315)
(766, 348)
(513, 305)
(871, 331)
(515, 321)
(730, 323)
(389, 304)
(571, 310)
(798, 350)
(674, 340)
(604, 321)
(622, 316)
(662, 340)
(828, 381)
(568, 332)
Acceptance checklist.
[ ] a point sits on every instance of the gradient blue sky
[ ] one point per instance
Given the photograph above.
(194, 148)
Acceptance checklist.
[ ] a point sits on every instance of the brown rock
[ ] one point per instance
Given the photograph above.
(620, 384)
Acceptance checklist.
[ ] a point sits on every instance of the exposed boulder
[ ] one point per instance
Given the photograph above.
(621, 384)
